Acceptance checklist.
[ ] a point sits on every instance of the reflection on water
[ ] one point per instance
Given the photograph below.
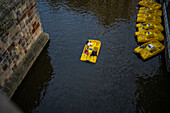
(119, 82)
(106, 11)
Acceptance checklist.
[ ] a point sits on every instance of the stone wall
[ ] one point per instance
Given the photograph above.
(20, 27)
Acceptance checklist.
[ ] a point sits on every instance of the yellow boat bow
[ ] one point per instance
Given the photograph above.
(147, 35)
(149, 4)
(149, 49)
(150, 25)
(152, 11)
(149, 18)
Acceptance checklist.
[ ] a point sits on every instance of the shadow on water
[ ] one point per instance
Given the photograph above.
(34, 86)
(152, 93)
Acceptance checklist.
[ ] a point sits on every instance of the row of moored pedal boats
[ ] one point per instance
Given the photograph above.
(149, 29)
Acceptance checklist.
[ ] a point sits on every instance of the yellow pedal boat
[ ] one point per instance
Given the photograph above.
(149, 18)
(90, 53)
(147, 35)
(149, 49)
(149, 25)
(149, 4)
(152, 11)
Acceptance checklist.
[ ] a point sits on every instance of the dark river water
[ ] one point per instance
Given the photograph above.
(120, 82)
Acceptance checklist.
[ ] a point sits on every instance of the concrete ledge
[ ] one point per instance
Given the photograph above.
(167, 36)
(21, 71)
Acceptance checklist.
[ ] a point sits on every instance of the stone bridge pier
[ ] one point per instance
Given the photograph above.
(21, 41)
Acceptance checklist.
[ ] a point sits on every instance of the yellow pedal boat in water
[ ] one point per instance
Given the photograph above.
(147, 35)
(149, 25)
(149, 49)
(91, 51)
(149, 18)
(149, 4)
(152, 11)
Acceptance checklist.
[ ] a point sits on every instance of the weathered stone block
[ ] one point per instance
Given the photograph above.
(1, 70)
(23, 52)
(1, 47)
(11, 47)
(19, 60)
(13, 30)
(2, 81)
(8, 75)
(37, 33)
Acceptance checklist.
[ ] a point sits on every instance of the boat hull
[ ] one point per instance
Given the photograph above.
(88, 56)
(147, 35)
(145, 54)
(144, 10)
(144, 18)
(150, 26)
(149, 4)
